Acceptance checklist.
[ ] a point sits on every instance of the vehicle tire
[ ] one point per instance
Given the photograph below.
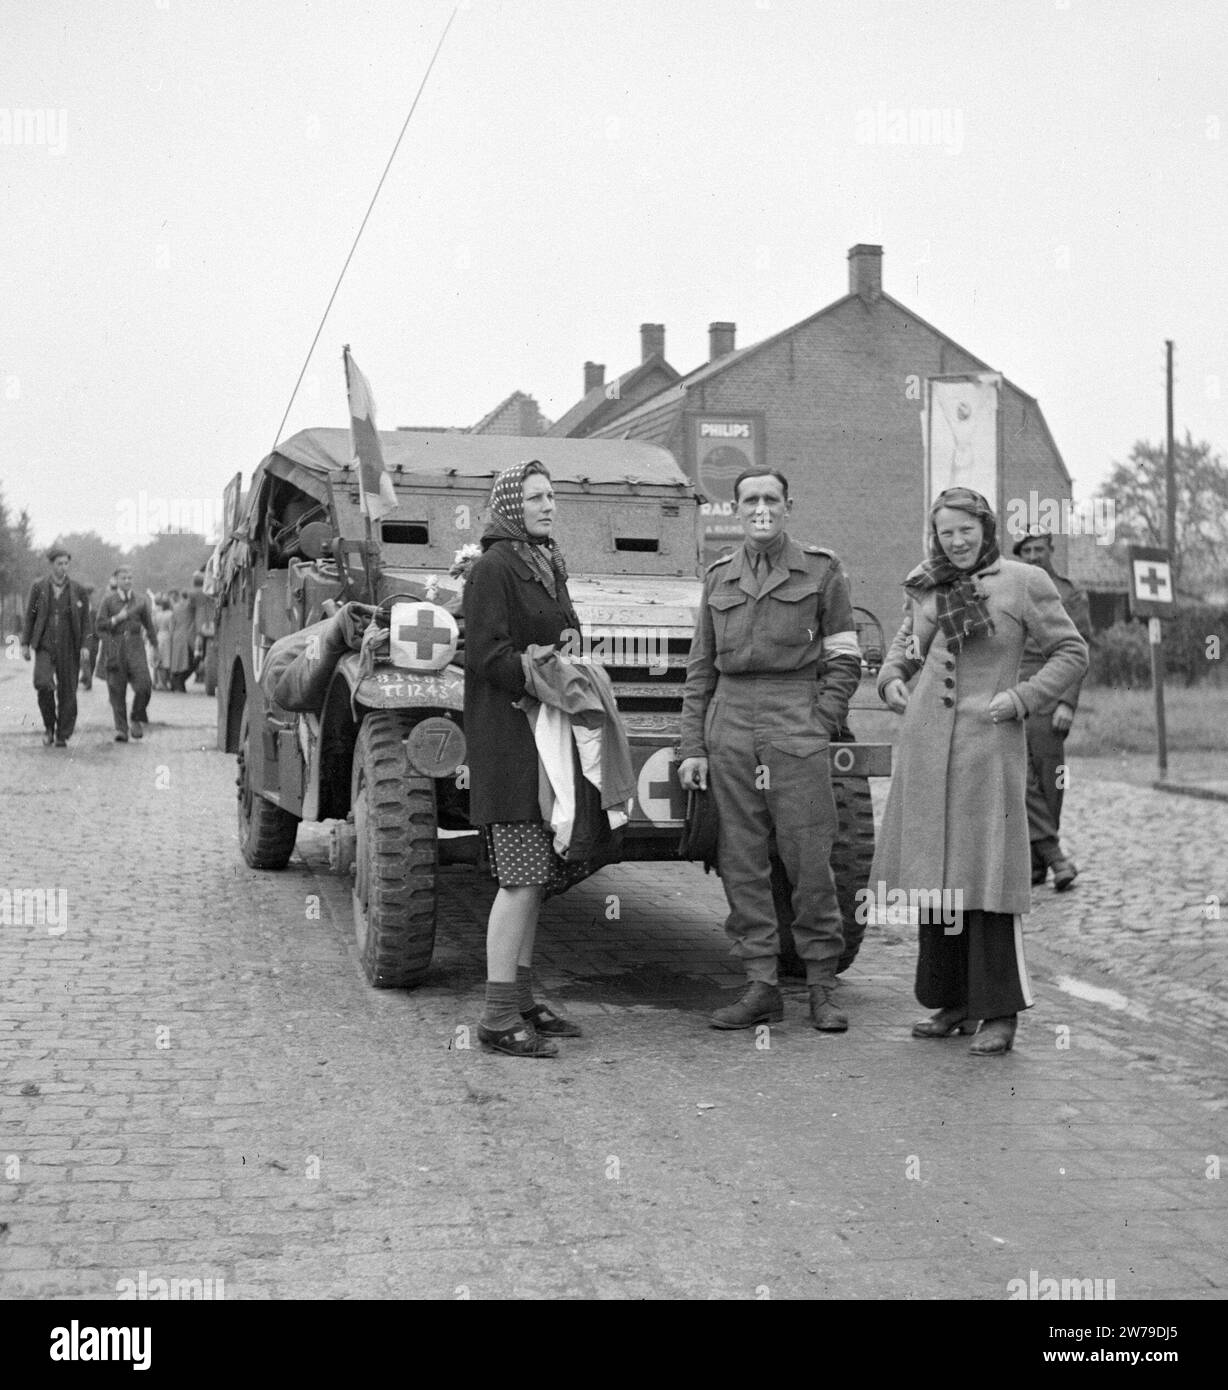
(395, 855)
(266, 832)
(851, 858)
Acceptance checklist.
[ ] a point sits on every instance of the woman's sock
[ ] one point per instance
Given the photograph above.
(502, 1005)
(524, 986)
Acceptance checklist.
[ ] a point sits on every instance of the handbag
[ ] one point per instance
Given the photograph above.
(701, 830)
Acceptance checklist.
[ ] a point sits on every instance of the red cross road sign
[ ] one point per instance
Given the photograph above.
(421, 637)
(1151, 582)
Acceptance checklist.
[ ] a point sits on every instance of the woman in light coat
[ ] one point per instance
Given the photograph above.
(956, 826)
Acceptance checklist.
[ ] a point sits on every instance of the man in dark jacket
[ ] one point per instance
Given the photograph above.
(773, 663)
(54, 631)
(1048, 727)
(121, 617)
(90, 655)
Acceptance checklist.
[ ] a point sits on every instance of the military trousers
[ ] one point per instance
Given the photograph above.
(1046, 756)
(770, 774)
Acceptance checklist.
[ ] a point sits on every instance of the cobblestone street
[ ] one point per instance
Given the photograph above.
(196, 1081)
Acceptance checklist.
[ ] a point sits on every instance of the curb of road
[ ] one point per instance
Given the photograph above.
(1182, 789)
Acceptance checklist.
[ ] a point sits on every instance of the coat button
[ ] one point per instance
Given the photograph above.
(949, 683)
(950, 666)
(946, 700)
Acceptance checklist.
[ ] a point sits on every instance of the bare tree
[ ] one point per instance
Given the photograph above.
(1138, 490)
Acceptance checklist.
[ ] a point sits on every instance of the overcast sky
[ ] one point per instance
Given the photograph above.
(575, 168)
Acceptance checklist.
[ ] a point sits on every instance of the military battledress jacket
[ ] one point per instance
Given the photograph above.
(956, 816)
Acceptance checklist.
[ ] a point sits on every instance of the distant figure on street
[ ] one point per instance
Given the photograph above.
(202, 622)
(55, 631)
(90, 654)
(100, 665)
(955, 826)
(1049, 725)
(124, 621)
(162, 662)
(183, 641)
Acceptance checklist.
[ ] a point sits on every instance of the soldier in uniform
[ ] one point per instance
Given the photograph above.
(773, 663)
(1048, 727)
(121, 617)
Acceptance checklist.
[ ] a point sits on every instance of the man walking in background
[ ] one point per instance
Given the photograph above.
(90, 655)
(1047, 728)
(54, 631)
(121, 618)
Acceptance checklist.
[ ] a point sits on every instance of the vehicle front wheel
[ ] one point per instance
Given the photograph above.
(395, 855)
(266, 832)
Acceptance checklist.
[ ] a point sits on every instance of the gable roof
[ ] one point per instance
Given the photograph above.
(1095, 567)
(590, 406)
(639, 421)
(522, 407)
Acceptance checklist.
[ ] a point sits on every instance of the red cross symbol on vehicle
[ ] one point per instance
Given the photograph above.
(424, 633)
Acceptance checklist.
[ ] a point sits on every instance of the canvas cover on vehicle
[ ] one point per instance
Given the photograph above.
(481, 456)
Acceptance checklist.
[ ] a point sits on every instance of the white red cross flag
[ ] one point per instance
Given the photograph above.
(375, 488)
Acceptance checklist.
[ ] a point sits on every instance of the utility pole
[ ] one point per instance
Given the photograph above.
(1170, 463)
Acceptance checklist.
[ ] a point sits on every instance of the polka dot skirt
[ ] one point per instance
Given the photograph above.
(521, 853)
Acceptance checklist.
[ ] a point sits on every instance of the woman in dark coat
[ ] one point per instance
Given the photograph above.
(956, 826)
(515, 597)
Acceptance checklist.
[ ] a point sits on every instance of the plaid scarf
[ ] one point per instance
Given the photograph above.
(963, 613)
(544, 558)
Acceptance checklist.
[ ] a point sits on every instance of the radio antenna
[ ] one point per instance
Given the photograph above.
(370, 206)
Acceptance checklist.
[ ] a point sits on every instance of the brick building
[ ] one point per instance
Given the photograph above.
(834, 402)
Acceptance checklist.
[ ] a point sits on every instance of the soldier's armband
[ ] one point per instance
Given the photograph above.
(842, 644)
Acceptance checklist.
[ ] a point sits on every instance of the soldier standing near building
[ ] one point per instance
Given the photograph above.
(54, 630)
(773, 664)
(121, 617)
(1048, 727)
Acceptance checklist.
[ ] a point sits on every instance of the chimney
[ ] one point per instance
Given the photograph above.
(594, 376)
(866, 271)
(652, 340)
(720, 339)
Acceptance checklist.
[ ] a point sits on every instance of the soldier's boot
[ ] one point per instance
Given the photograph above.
(823, 1012)
(760, 1003)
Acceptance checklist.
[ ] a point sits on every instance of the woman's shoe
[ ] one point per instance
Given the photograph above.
(944, 1023)
(997, 1036)
(545, 1020)
(520, 1041)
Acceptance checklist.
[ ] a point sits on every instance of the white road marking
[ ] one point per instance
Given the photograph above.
(1094, 994)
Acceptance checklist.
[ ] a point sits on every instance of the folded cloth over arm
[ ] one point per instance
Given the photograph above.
(585, 694)
(300, 665)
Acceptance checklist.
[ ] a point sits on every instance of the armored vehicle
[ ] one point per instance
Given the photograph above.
(381, 751)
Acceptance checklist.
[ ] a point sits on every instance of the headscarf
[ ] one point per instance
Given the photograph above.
(543, 557)
(962, 611)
